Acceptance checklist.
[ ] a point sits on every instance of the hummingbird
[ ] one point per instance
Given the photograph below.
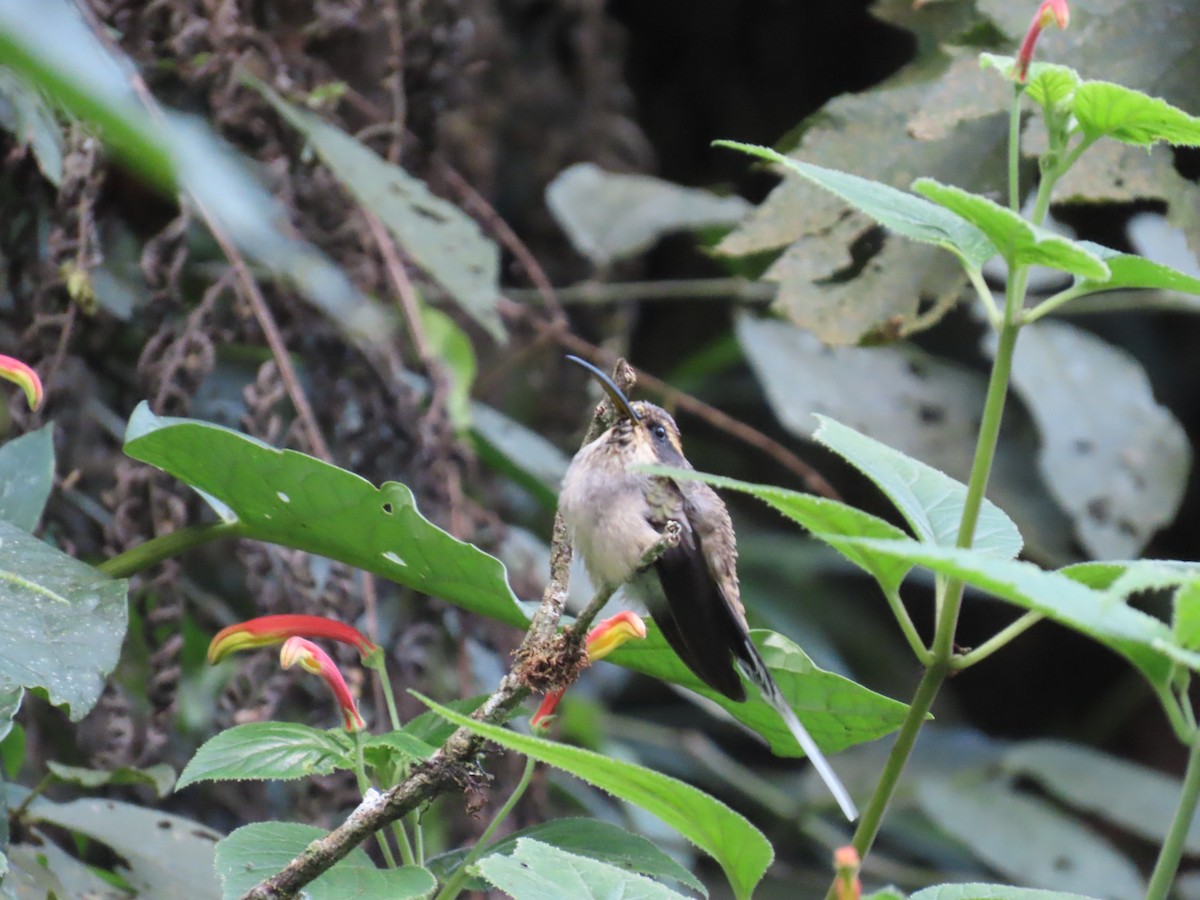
(615, 514)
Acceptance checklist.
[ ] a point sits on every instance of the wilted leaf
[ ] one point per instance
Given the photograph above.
(1029, 841)
(1132, 797)
(917, 404)
(440, 237)
(1114, 458)
(166, 855)
(611, 216)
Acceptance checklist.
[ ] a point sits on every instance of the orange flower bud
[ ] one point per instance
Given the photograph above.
(1050, 12)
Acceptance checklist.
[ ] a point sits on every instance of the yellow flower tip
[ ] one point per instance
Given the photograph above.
(1054, 12)
(298, 651)
(21, 374)
(613, 632)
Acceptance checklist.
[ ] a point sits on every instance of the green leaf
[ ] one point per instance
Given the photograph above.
(740, 848)
(26, 476)
(50, 46)
(930, 501)
(1132, 797)
(452, 346)
(1028, 840)
(32, 123)
(837, 712)
(1115, 459)
(1129, 270)
(295, 500)
(257, 851)
(1049, 85)
(434, 729)
(905, 214)
(268, 751)
(166, 855)
(160, 777)
(381, 749)
(611, 216)
(61, 622)
(1185, 623)
(1131, 117)
(537, 871)
(818, 515)
(441, 238)
(1133, 634)
(41, 869)
(592, 838)
(1018, 241)
(991, 892)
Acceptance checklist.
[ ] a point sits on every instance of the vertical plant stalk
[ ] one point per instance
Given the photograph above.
(1169, 856)
(455, 882)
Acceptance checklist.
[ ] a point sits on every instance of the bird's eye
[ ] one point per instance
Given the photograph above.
(659, 432)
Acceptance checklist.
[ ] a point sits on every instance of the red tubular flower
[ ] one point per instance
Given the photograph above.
(601, 641)
(267, 630)
(846, 862)
(297, 651)
(17, 372)
(1050, 12)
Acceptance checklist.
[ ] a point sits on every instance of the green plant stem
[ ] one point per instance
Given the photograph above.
(1000, 639)
(1014, 149)
(389, 697)
(455, 882)
(155, 550)
(364, 785)
(1172, 848)
(906, 625)
(942, 649)
(975, 276)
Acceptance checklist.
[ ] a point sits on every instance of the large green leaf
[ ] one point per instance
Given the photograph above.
(159, 777)
(1140, 638)
(1019, 241)
(269, 751)
(931, 501)
(61, 622)
(537, 871)
(837, 712)
(913, 217)
(729, 838)
(592, 838)
(48, 44)
(1028, 840)
(292, 499)
(26, 476)
(1132, 271)
(257, 851)
(1131, 117)
(440, 237)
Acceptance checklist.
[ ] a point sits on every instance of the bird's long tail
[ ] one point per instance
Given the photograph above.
(758, 673)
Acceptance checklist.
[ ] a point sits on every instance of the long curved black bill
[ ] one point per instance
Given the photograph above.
(618, 398)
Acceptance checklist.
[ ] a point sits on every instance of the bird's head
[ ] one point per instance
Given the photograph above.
(645, 431)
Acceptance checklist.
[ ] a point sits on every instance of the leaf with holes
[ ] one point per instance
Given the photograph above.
(295, 500)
